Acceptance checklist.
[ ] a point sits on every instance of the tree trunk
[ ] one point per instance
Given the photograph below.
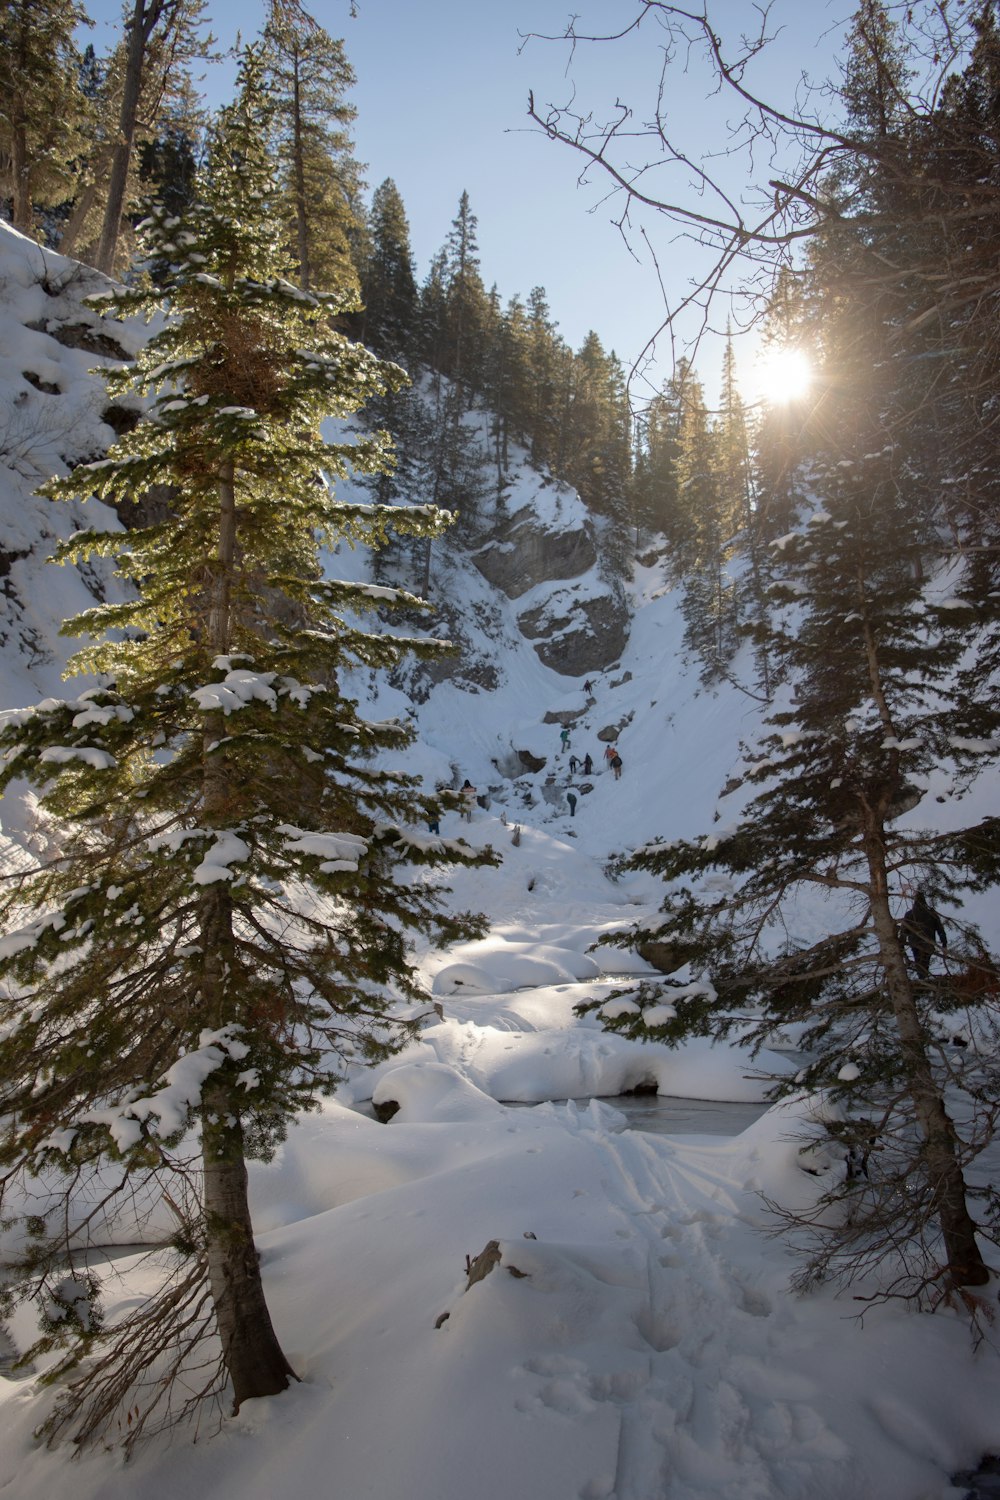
(250, 1349)
(22, 215)
(81, 208)
(298, 153)
(939, 1143)
(145, 15)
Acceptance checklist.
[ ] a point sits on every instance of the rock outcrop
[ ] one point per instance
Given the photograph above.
(522, 554)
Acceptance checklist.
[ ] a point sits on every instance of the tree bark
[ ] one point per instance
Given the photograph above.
(81, 208)
(939, 1142)
(250, 1349)
(145, 15)
(22, 215)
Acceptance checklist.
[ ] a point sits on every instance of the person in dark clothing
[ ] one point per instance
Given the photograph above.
(573, 764)
(616, 765)
(571, 799)
(588, 764)
(922, 932)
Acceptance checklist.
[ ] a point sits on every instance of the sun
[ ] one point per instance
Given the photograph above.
(783, 374)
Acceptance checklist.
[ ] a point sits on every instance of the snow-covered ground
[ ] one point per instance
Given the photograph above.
(637, 1339)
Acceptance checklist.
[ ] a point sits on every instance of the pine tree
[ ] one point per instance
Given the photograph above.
(830, 818)
(388, 281)
(465, 311)
(657, 503)
(543, 404)
(43, 108)
(309, 74)
(222, 928)
(780, 436)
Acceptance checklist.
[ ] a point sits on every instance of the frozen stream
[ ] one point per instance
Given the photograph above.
(661, 1114)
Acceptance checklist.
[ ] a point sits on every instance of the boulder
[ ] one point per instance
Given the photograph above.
(664, 956)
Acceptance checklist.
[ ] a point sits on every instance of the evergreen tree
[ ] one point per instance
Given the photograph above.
(780, 428)
(737, 520)
(43, 108)
(222, 927)
(830, 815)
(431, 314)
(657, 501)
(465, 311)
(388, 281)
(544, 403)
(309, 75)
(161, 38)
(599, 444)
(168, 166)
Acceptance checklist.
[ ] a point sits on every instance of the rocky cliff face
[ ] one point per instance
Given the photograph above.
(545, 557)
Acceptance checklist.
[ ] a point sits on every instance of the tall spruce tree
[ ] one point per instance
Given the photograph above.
(310, 75)
(466, 305)
(222, 928)
(388, 281)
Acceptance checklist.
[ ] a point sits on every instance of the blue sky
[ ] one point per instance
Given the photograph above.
(442, 107)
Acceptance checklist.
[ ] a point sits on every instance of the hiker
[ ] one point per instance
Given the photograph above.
(433, 824)
(610, 752)
(571, 799)
(564, 736)
(616, 765)
(588, 687)
(574, 765)
(468, 799)
(922, 931)
(588, 764)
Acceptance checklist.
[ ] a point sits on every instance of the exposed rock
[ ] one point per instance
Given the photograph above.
(122, 419)
(479, 1267)
(150, 508)
(47, 387)
(85, 336)
(620, 681)
(523, 555)
(663, 956)
(573, 635)
(612, 732)
(566, 716)
(467, 666)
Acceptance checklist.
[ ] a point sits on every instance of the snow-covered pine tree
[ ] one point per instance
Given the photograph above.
(221, 927)
(789, 913)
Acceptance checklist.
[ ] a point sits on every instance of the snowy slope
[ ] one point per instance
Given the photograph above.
(649, 1346)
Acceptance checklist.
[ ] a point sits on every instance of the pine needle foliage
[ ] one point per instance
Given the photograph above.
(787, 913)
(227, 922)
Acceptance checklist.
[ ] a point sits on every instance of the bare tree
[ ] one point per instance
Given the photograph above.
(784, 170)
